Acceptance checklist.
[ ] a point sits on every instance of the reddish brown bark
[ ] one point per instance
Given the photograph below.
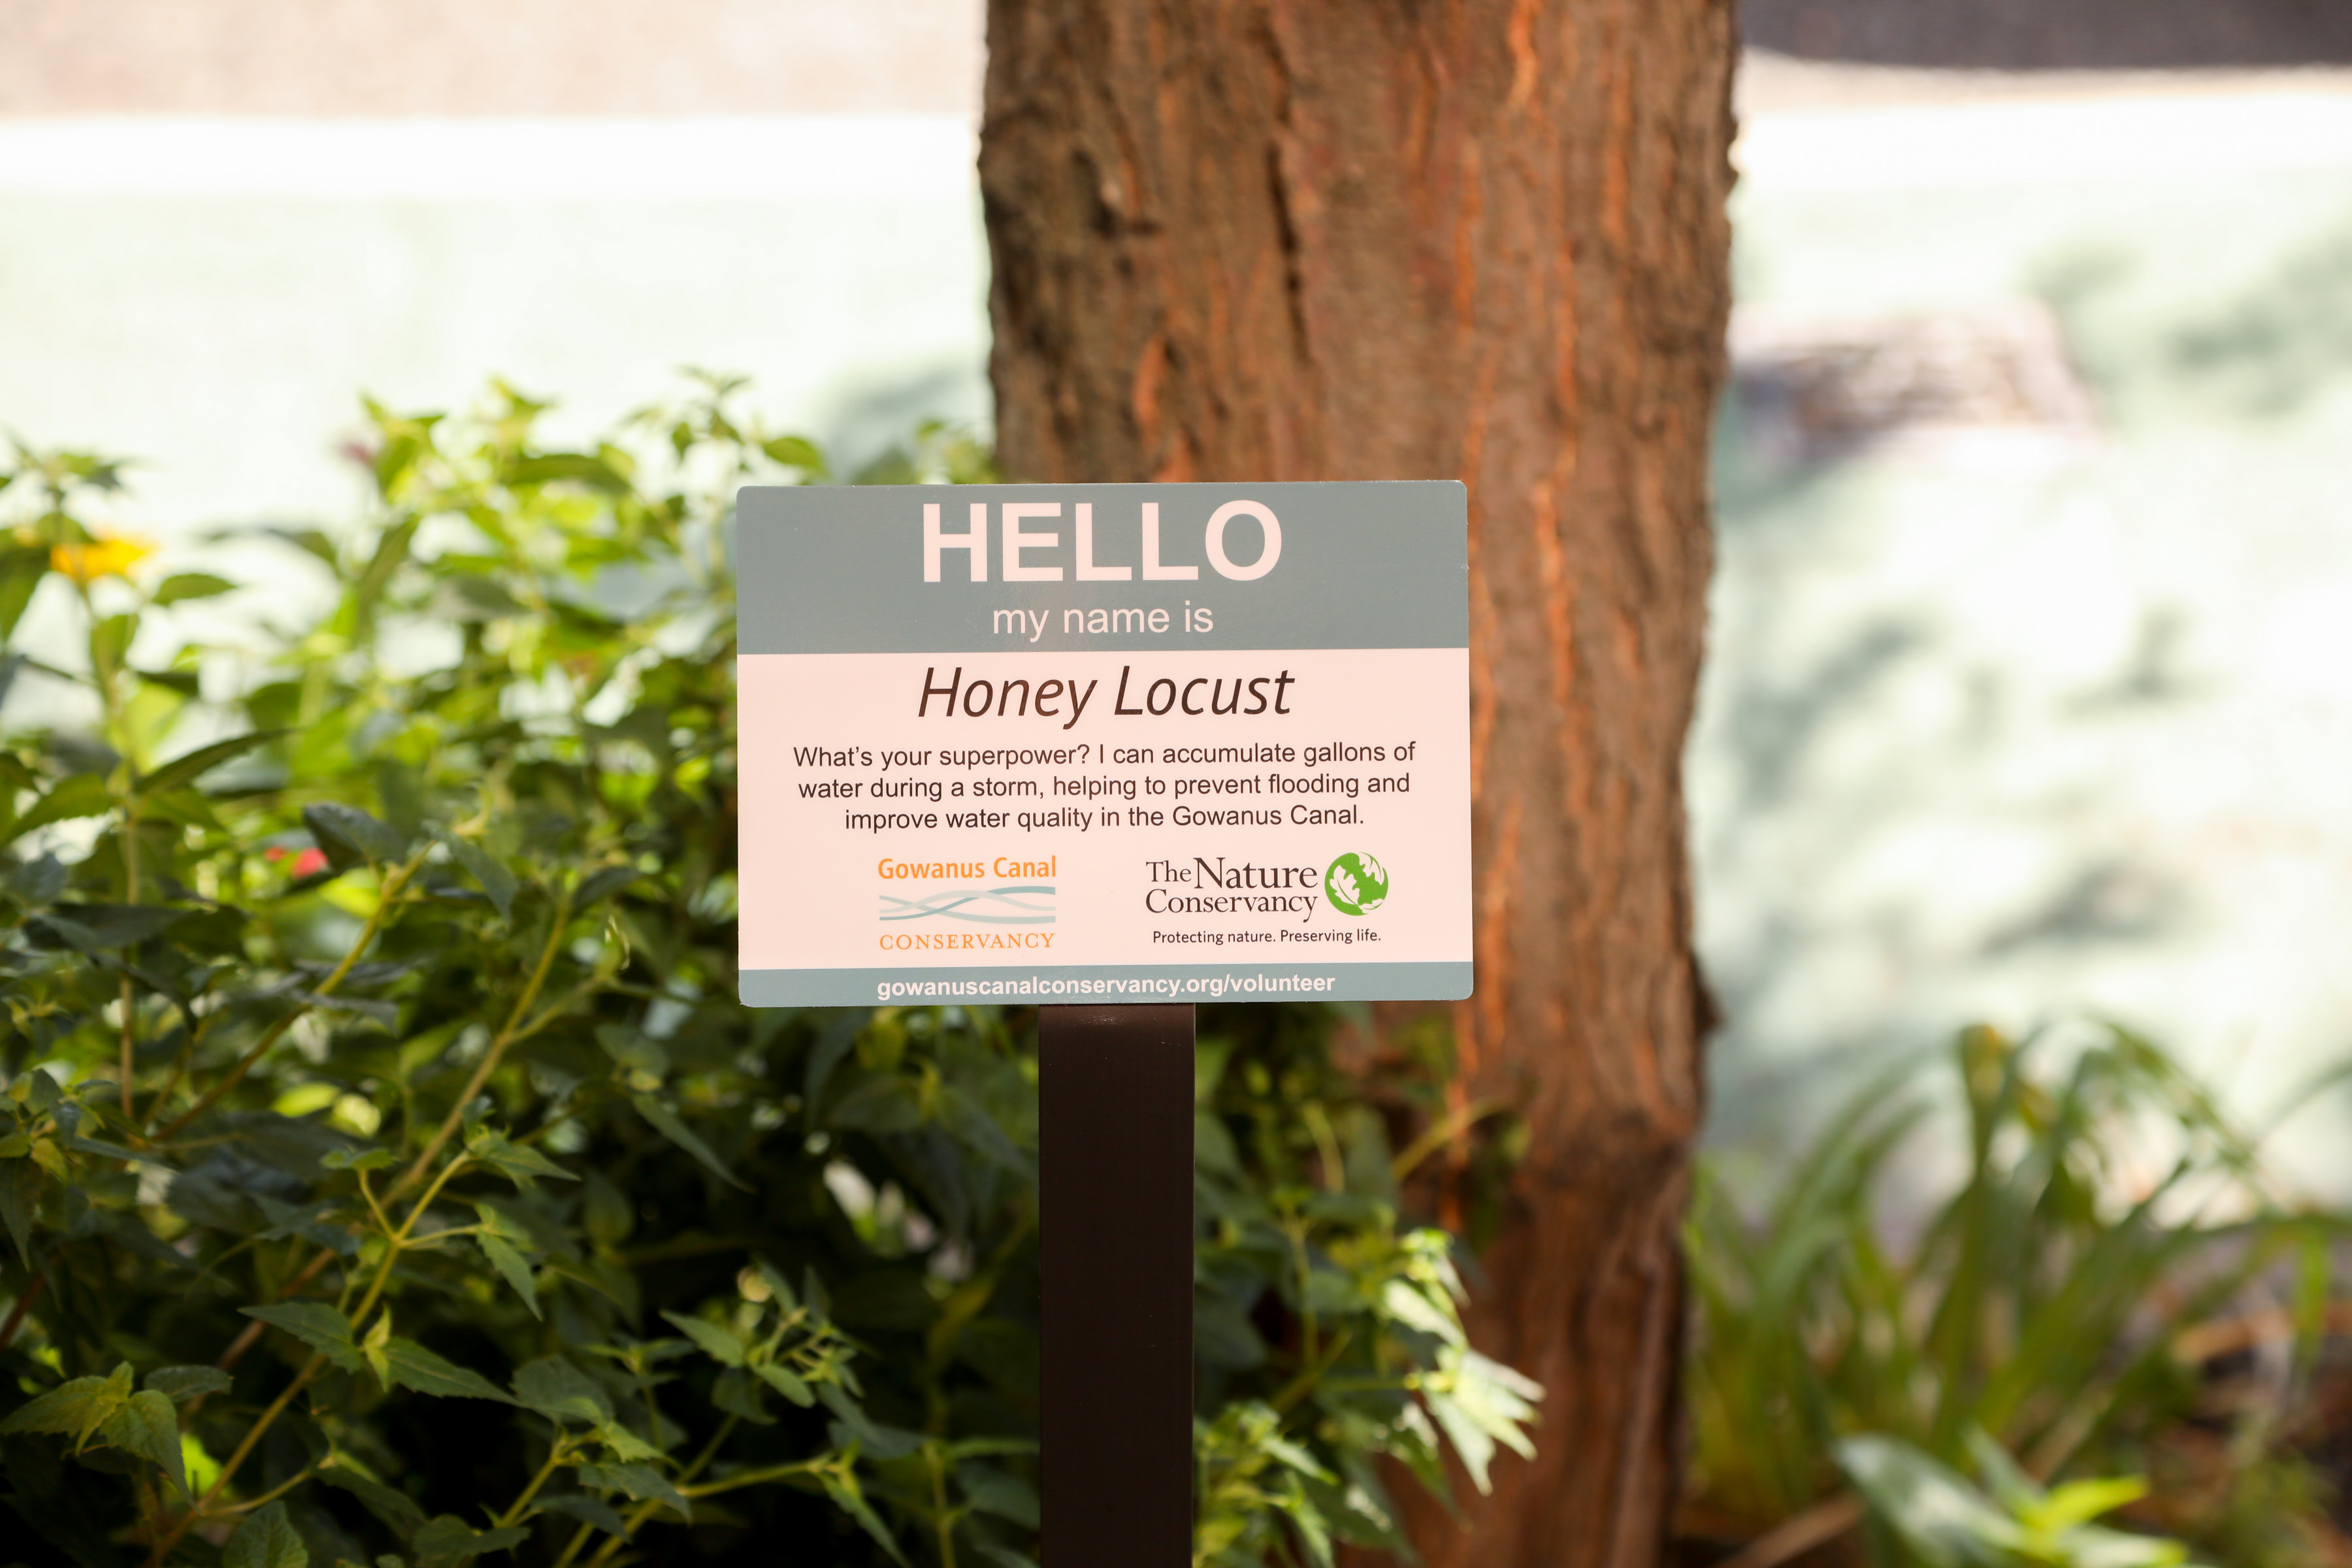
(1295, 240)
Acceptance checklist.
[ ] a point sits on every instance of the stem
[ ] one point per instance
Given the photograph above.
(147, 1498)
(1440, 1133)
(180, 1064)
(1298, 1234)
(131, 896)
(943, 1521)
(272, 1495)
(388, 896)
(746, 1478)
(644, 1510)
(374, 1207)
(579, 1539)
(125, 1074)
(251, 1335)
(109, 696)
(400, 1239)
(1823, 1522)
(244, 1450)
(24, 1304)
(1326, 1148)
(488, 1064)
(556, 1456)
(1312, 1373)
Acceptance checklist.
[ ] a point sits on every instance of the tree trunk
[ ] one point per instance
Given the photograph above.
(1310, 239)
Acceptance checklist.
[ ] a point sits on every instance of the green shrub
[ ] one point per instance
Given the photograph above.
(1931, 1515)
(389, 1174)
(2043, 1310)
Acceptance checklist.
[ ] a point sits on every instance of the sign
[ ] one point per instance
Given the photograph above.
(1104, 743)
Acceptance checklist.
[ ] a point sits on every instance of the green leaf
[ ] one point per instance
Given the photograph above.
(625, 1445)
(411, 1366)
(736, 1393)
(1406, 1303)
(487, 873)
(374, 1347)
(95, 928)
(392, 552)
(666, 1121)
(1001, 1493)
(561, 1391)
(266, 1540)
(448, 1540)
(147, 1425)
(795, 452)
(1493, 1398)
(76, 1409)
(399, 1512)
(2079, 1502)
(844, 1490)
(316, 1325)
(474, 598)
(20, 1200)
(518, 1162)
(607, 1211)
(182, 586)
(598, 884)
(2010, 1485)
(642, 1482)
(779, 1290)
(1940, 1517)
(185, 682)
(1472, 1444)
(587, 1509)
(512, 1265)
(873, 1440)
(38, 880)
(784, 1382)
(351, 836)
(111, 641)
(181, 1383)
(721, 1344)
(577, 468)
(22, 567)
(190, 766)
(83, 794)
(312, 540)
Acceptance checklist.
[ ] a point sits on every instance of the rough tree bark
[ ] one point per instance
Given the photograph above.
(1301, 239)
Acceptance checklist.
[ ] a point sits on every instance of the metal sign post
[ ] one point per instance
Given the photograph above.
(1115, 1207)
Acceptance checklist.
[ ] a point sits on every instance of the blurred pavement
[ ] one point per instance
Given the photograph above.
(2006, 716)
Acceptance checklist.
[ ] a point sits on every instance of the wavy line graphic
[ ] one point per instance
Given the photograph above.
(953, 903)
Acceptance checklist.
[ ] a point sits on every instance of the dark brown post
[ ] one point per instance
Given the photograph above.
(1115, 1203)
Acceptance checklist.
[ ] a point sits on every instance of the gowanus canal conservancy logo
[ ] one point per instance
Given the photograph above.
(1021, 903)
(1018, 906)
(1356, 884)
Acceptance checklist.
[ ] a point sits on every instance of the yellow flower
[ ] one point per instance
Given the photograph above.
(104, 557)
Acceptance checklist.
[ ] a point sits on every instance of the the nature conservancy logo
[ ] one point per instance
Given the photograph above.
(1025, 898)
(1356, 884)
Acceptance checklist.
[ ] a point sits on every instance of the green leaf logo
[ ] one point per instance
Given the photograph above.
(1356, 884)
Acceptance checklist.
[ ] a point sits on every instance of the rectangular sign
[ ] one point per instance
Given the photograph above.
(1108, 743)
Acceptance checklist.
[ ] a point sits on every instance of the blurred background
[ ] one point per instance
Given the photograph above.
(2031, 681)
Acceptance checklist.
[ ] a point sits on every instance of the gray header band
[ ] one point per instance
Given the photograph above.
(834, 569)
